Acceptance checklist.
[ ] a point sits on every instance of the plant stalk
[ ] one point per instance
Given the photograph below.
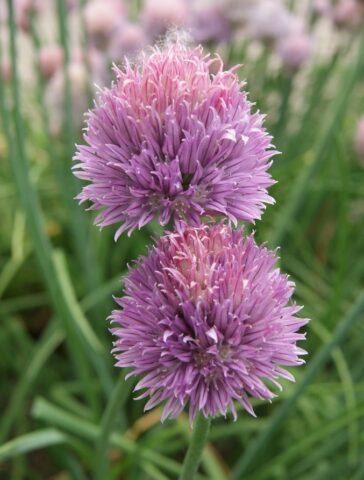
(198, 439)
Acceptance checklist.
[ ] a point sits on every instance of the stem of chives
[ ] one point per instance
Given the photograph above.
(40, 82)
(68, 120)
(283, 117)
(85, 43)
(193, 456)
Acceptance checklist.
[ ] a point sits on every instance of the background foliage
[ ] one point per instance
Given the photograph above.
(66, 412)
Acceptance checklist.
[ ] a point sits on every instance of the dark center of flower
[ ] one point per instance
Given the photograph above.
(201, 358)
(225, 352)
(186, 179)
(154, 201)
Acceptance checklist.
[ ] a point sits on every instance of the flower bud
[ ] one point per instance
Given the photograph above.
(348, 13)
(294, 50)
(159, 15)
(102, 17)
(50, 60)
(128, 40)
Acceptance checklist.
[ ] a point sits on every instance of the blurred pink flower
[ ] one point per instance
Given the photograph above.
(359, 140)
(210, 22)
(50, 60)
(127, 40)
(158, 16)
(55, 96)
(100, 70)
(102, 17)
(348, 13)
(24, 10)
(322, 7)
(269, 20)
(294, 50)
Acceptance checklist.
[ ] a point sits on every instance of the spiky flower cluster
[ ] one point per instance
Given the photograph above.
(206, 320)
(174, 141)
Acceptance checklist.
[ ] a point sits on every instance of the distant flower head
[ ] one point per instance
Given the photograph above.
(128, 40)
(359, 140)
(24, 9)
(269, 20)
(55, 95)
(322, 7)
(210, 22)
(294, 50)
(50, 60)
(170, 140)
(99, 68)
(348, 13)
(102, 17)
(158, 16)
(206, 320)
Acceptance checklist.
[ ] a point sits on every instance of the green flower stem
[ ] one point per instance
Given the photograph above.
(199, 436)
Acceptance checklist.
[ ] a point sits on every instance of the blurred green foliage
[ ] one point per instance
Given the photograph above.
(66, 412)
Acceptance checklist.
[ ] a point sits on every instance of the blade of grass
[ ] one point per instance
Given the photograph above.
(24, 302)
(65, 398)
(359, 474)
(314, 366)
(85, 43)
(92, 346)
(283, 116)
(30, 442)
(116, 402)
(314, 95)
(44, 410)
(19, 252)
(69, 296)
(323, 432)
(348, 388)
(50, 340)
(103, 292)
(153, 472)
(69, 463)
(319, 453)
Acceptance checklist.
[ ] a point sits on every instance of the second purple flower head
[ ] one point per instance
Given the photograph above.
(207, 320)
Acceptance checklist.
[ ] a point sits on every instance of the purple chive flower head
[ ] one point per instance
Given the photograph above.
(206, 320)
(172, 140)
